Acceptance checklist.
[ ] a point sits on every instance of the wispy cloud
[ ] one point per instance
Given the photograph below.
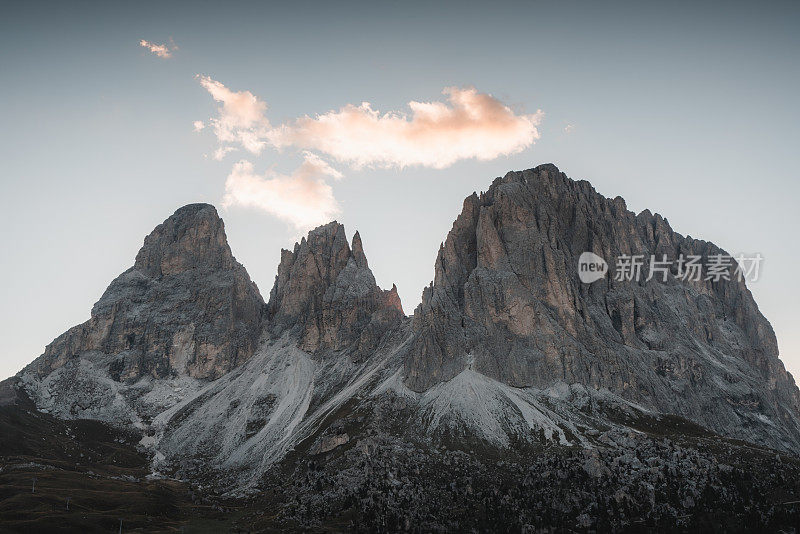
(221, 152)
(198, 125)
(303, 199)
(241, 117)
(436, 134)
(163, 51)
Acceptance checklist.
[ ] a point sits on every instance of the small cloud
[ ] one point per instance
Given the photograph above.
(569, 128)
(198, 125)
(242, 116)
(163, 51)
(221, 152)
(303, 199)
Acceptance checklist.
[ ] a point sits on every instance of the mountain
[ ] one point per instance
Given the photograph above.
(185, 313)
(517, 397)
(507, 302)
(327, 293)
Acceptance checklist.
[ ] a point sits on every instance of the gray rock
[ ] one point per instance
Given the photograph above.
(328, 443)
(186, 308)
(506, 299)
(326, 294)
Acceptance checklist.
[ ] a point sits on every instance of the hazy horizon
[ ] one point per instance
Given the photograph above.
(688, 111)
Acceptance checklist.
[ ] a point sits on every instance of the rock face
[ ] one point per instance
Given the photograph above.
(506, 301)
(325, 294)
(332, 336)
(185, 308)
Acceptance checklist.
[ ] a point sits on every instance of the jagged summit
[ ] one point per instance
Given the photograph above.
(506, 301)
(358, 251)
(186, 308)
(326, 293)
(193, 237)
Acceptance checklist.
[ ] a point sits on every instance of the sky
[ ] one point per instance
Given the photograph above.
(116, 114)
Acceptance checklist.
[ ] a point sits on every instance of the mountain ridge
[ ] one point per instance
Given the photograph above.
(505, 301)
(507, 354)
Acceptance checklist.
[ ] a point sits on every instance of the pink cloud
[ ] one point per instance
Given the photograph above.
(160, 50)
(242, 117)
(436, 134)
(303, 199)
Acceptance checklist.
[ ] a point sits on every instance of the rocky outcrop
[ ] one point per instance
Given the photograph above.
(185, 308)
(506, 301)
(325, 293)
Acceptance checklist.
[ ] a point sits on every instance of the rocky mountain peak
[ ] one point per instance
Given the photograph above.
(193, 237)
(186, 308)
(305, 273)
(326, 294)
(507, 302)
(358, 252)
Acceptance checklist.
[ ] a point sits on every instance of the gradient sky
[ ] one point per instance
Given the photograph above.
(690, 111)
